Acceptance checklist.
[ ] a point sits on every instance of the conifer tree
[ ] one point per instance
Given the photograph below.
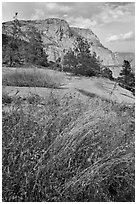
(80, 61)
(126, 78)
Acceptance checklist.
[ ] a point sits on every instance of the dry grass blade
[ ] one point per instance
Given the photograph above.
(68, 150)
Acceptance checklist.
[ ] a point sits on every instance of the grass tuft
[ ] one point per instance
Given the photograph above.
(31, 78)
(68, 150)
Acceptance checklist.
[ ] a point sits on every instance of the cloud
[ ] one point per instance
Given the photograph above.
(57, 7)
(49, 10)
(81, 22)
(65, 15)
(117, 4)
(38, 14)
(86, 15)
(130, 36)
(115, 12)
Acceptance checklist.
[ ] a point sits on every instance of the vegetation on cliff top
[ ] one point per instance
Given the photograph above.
(19, 48)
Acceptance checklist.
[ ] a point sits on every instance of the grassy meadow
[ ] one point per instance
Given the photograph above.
(64, 149)
(31, 77)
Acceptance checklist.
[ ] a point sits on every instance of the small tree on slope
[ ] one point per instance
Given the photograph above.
(80, 61)
(127, 77)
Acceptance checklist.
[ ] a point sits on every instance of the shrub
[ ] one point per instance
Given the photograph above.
(6, 99)
(68, 150)
(106, 72)
(33, 99)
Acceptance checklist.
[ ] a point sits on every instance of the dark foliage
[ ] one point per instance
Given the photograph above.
(20, 48)
(106, 72)
(34, 52)
(11, 45)
(127, 77)
(6, 99)
(80, 61)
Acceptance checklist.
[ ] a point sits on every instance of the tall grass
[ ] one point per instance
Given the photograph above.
(68, 150)
(31, 78)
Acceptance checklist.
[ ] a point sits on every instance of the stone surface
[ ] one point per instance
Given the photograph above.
(58, 37)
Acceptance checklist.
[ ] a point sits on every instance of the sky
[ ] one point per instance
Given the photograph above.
(112, 22)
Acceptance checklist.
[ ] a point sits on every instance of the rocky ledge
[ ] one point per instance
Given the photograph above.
(58, 37)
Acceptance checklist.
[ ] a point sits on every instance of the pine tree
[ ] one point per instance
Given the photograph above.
(70, 61)
(127, 77)
(80, 61)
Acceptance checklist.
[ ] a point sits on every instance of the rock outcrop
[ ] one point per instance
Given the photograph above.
(58, 37)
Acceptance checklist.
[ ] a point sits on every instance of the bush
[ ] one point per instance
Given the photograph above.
(6, 99)
(68, 150)
(107, 73)
(33, 99)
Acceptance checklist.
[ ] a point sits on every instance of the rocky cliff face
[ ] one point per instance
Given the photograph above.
(58, 37)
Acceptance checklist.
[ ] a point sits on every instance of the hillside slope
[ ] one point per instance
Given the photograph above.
(87, 87)
(58, 37)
